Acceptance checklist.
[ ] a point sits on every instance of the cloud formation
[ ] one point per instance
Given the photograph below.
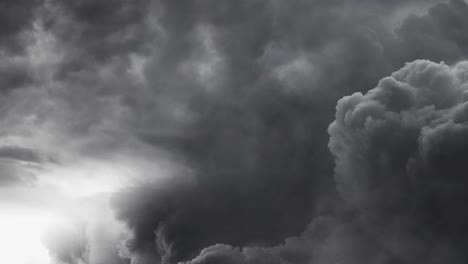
(399, 152)
(252, 120)
(215, 115)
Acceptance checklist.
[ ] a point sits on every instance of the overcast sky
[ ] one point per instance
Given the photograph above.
(233, 131)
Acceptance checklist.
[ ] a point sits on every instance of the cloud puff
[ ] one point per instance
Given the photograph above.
(399, 150)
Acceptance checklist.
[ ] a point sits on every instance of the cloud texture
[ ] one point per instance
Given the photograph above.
(207, 121)
(400, 152)
(399, 163)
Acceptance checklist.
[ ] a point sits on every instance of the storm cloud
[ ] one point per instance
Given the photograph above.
(16, 18)
(399, 151)
(254, 116)
(206, 122)
(399, 166)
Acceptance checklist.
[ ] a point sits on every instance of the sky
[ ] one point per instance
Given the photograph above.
(233, 131)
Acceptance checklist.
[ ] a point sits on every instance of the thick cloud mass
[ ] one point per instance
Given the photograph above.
(400, 151)
(399, 163)
(439, 35)
(210, 120)
(325, 240)
(250, 87)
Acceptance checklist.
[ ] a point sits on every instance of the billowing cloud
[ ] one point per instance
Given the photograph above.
(207, 121)
(399, 165)
(399, 152)
(438, 35)
(325, 240)
(246, 108)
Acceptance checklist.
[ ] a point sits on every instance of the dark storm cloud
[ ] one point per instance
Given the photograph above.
(325, 240)
(14, 73)
(399, 161)
(440, 35)
(246, 91)
(388, 127)
(249, 142)
(16, 19)
(96, 32)
(241, 93)
(399, 154)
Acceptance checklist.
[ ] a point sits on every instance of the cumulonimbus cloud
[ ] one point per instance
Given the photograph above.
(400, 164)
(239, 94)
(400, 151)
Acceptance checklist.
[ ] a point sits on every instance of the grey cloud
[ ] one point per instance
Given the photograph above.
(19, 153)
(18, 164)
(14, 174)
(439, 35)
(16, 20)
(14, 73)
(399, 163)
(325, 240)
(93, 33)
(241, 93)
(253, 138)
(235, 138)
(399, 149)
